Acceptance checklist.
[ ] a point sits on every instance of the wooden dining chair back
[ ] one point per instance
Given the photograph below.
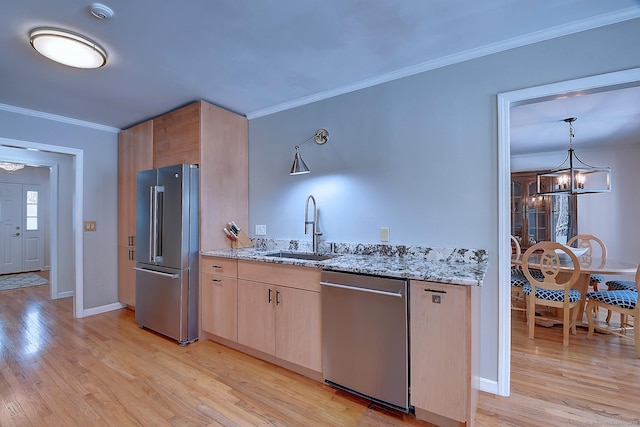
(624, 302)
(554, 289)
(595, 248)
(517, 279)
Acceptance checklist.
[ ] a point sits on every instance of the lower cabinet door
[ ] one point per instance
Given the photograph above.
(298, 327)
(256, 315)
(440, 343)
(219, 305)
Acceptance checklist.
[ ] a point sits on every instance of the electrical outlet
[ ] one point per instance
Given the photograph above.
(384, 234)
(261, 230)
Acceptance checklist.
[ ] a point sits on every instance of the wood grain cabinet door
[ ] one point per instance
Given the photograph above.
(219, 305)
(298, 330)
(256, 316)
(440, 349)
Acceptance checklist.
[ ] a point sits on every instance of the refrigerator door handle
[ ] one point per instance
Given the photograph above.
(155, 223)
(173, 276)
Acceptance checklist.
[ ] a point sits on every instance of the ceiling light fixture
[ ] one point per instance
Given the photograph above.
(299, 166)
(11, 167)
(577, 178)
(68, 48)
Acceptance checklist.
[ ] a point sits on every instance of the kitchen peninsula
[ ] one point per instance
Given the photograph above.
(443, 304)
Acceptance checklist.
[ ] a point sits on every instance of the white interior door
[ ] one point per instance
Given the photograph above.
(10, 228)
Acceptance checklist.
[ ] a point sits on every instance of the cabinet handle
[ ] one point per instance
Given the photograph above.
(216, 280)
(434, 290)
(216, 266)
(277, 297)
(269, 297)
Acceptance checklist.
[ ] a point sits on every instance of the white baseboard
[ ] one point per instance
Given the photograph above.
(103, 309)
(65, 294)
(488, 386)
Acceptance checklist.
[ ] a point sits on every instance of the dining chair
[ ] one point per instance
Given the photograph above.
(620, 285)
(552, 290)
(624, 302)
(590, 241)
(517, 279)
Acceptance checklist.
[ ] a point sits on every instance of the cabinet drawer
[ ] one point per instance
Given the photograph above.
(307, 278)
(220, 266)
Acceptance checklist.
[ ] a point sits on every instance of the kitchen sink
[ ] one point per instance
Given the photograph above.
(300, 255)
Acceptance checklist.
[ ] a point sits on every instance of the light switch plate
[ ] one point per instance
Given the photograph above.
(89, 226)
(384, 234)
(261, 230)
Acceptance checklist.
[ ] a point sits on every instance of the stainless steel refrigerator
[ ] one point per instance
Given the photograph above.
(167, 252)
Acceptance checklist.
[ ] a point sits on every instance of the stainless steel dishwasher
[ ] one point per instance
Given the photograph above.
(365, 336)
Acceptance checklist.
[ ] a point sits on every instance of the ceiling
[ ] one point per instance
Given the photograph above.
(256, 57)
(604, 118)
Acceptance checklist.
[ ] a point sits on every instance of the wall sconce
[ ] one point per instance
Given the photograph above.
(299, 166)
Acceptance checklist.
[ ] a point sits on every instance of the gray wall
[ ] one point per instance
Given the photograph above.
(418, 155)
(100, 152)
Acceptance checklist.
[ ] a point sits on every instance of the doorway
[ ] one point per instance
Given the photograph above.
(66, 177)
(23, 207)
(616, 80)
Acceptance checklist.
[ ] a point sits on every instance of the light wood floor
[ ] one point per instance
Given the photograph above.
(104, 371)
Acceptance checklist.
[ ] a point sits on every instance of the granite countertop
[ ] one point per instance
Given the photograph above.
(444, 265)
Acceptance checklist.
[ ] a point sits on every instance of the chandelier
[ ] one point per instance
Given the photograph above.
(11, 167)
(573, 176)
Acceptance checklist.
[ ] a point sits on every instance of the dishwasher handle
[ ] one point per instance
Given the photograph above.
(353, 288)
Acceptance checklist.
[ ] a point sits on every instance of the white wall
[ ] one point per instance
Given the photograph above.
(418, 155)
(100, 154)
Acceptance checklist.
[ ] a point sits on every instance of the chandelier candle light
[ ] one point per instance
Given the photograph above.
(11, 167)
(576, 178)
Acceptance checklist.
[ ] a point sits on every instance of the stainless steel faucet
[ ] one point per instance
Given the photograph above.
(314, 223)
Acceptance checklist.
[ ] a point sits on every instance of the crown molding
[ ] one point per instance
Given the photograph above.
(57, 118)
(527, 39)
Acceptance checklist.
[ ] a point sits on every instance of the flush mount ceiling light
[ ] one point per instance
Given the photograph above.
(68, 48)
(11, 167)
(575, 178)
(299, 166)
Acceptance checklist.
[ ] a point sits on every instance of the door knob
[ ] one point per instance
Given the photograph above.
(17, 234)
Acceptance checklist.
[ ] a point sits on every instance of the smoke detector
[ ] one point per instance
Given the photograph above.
(101, 11)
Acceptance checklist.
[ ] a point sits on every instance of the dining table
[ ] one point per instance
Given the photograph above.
(588, 266)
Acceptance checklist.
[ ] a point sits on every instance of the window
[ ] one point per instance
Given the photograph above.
(32, 210)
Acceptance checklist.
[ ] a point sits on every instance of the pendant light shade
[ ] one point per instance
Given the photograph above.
(68, 48)
(299, 166)
(574, 176)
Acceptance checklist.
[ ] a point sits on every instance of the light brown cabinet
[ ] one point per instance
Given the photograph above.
(443, 352)
(219, 297)
(200, 133)
(217, 140)
(135, 148)
(279, 312)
